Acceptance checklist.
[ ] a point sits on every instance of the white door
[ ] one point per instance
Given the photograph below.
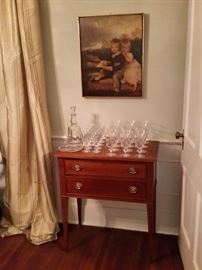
(190, 240)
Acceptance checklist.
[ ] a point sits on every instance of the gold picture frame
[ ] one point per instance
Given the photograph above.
(111, 49)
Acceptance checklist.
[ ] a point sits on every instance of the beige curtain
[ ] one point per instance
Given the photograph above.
(24, 126)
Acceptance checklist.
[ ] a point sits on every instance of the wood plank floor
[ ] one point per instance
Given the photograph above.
(91, 248)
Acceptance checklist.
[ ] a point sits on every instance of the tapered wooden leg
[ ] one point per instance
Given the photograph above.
(65, 202)
(79, 208)
(152, 247)
(152, 229)
(151, 217)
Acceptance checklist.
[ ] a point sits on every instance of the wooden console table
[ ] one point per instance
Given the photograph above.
(100, 176)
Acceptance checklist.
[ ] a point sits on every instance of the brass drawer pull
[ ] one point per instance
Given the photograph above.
(132, 170)
(76, 167)
(78, 185)
(132, 189)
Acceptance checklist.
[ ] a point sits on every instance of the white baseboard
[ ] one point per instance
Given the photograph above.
(128, 216)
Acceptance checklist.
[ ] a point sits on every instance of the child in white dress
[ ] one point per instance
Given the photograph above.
(132, 74)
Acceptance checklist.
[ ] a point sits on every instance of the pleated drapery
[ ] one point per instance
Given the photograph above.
(25, 139)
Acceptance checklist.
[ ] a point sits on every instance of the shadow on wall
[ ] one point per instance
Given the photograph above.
(145, 55)
(50, 69)
(160, 133)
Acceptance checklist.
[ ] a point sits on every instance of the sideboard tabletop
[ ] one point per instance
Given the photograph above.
(149, 156)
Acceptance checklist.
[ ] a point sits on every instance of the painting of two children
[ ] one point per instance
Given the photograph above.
(112, 68)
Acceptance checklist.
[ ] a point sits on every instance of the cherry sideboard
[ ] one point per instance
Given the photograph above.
(101, 176)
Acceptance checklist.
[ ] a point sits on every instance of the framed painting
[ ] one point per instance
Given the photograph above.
(111, 48)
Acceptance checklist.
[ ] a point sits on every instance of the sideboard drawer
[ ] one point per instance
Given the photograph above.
(105, 168)
(112, 189)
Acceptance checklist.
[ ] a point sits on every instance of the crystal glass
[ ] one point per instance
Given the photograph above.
(146, 135)
(141, 130)
(96, 141)
(139, 144)
(111, 143)
(86, 143)
(125, 144)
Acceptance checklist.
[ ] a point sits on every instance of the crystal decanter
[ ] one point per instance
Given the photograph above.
(74, 141)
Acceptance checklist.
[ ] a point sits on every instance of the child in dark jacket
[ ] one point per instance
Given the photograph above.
(114, 67)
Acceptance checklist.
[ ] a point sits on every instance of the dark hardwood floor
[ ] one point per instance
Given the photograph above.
(91, 248)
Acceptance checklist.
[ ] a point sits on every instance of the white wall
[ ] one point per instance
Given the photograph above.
(165, 40)
(165, 44)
